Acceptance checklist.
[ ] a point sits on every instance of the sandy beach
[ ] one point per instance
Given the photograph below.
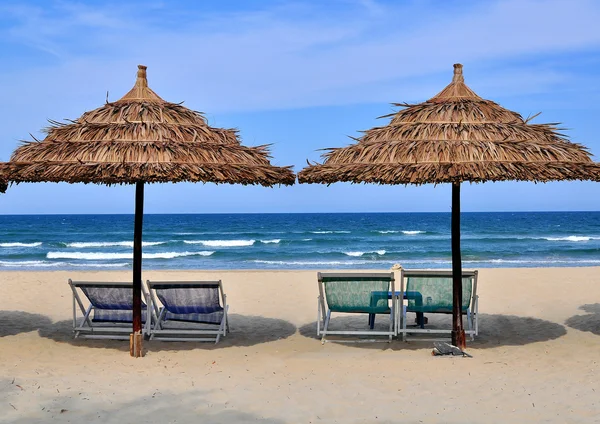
(536, 359)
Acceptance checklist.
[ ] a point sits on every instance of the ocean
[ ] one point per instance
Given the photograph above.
(299, 241)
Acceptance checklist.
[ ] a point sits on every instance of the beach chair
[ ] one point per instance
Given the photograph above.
(188, 311)
(109, 314)
(364, 293)
(430, 292)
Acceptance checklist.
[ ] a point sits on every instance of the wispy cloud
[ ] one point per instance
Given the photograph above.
(288, 55)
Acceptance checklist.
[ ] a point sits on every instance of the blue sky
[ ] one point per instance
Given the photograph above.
(300, 75)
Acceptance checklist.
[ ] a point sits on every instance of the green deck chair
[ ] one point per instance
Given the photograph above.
(364, 293)
(431, 292)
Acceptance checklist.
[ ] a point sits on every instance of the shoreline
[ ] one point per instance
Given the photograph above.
(259, 270)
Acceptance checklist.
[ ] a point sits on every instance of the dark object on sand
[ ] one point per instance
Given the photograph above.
(443, 348)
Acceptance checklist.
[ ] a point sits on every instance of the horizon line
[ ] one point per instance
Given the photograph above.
(290, 213)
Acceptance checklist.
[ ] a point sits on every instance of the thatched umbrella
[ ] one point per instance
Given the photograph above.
(142, 139)
(453, 137)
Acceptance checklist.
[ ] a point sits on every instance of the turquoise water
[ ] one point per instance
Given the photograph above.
(300, 241)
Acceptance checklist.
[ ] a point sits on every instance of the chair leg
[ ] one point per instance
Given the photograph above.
(222, 327)
(325, 326)
(404, 319)
(158, 324)
(476, 317)
(318, 316)
(470, 323)
(226, 318)
(398, 317)
(86, 319)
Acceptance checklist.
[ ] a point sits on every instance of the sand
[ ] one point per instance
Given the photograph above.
(536, 360)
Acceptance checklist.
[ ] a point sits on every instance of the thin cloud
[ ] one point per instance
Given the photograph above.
(303, 54)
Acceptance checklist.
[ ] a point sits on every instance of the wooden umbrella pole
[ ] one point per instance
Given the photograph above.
(135, 341)
(458, 332)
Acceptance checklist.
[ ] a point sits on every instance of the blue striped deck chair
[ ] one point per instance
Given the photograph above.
(188, 310)
(431, 293)
(109, 313)
(356, 293)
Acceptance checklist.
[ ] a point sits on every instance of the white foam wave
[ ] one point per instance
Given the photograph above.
(406, 232)
(322, 232)
(274, 241)
(221, 243)
(35, 244)
(331, 232)
(324, 263)
(535, 261)
(94, 256)
(569, 238)
(30, 264)
(308, 239)
(83, 245)
(47, 264)
(358, 254)
(88, 265)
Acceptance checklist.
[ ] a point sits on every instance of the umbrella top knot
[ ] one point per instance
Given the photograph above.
(141, 91)
(458, 75)
(141, 76)
(457, 90)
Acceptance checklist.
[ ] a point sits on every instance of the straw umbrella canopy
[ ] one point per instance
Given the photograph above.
(139, 139)
(455, 136)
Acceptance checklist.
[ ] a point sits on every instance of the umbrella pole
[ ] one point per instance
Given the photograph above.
(135, 340)
(458, 332)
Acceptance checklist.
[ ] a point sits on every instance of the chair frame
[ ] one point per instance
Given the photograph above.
(157, 332)
(472, 313)
(103, 330)
(324, 314)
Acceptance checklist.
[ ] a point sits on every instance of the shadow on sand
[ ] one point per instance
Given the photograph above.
(245, 330)
(589, 322)
(192, 406)
(494, 330)
(16, 322)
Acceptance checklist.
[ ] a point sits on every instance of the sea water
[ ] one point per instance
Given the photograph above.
(300, 241)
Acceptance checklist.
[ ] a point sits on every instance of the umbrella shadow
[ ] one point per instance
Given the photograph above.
(511, 330)
(494, 330)
(191, 406)
(589, 322)
(245, 330)
(16, 322)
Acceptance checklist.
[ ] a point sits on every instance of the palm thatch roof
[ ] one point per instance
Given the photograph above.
(142, 138)
(453, 137)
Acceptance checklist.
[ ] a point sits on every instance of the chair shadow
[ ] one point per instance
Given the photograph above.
(589, 322)
(494, 330)
(356, 322)
(16, 322)
(163, 405)
(245, 330)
